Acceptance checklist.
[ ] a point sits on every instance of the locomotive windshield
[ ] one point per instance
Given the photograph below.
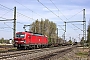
(20, 35)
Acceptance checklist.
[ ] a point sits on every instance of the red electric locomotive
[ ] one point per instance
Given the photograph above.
(28, 40)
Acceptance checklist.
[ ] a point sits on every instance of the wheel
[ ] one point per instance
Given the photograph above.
(25, 47)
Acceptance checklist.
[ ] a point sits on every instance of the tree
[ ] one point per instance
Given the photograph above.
(70, 41)
(88, 34)
(82, 41)
(35, 27)
(2, 40)
(44, 27)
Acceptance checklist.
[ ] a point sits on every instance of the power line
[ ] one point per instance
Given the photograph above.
(65, 17)
(17, 12)
(75, 14)
(55, 6)
(5, 7)
(61, 13)
(32, 11)
(28, 8)
(8, 25)
(12, 19)
(58, 9)
(5, 19)
(50, 10)
(55, 14)
(6, 13)
(72, 23)
(25, 16)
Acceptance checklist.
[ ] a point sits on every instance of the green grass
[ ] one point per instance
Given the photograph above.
(5, 50)
(82, 54)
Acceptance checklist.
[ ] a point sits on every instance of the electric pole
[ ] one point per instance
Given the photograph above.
(84, 25)
(14, 25)
(65, 30)
(57, 34)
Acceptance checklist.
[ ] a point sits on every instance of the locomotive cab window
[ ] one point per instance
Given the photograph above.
(20, 35)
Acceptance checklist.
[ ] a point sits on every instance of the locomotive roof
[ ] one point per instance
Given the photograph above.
(37, 34)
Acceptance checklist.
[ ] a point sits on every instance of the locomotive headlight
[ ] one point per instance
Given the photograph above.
(23, 41)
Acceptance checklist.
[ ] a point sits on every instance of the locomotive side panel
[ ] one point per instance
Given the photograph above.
(34, 39)
(38, 40)
(28, 39)
(45, 40)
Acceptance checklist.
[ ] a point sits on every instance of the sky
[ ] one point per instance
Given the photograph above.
(58, 11)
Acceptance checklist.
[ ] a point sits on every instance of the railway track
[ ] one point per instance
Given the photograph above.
(35, 54)
(56, 55)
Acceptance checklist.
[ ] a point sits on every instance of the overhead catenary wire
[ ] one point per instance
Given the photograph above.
(72, 17)
(64, 15)
(6, 13)
(50, 10)
(17, 12)
(25, 16)
(29, 17)
(67, 18)
(75, 14)
(60, 12)
(28, 8)
(5, 19)
(31, 10)
(8, 25)
(6, 7)
(55, 6)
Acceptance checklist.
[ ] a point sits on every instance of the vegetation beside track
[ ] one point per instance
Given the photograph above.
(5, 48)
(82, 54)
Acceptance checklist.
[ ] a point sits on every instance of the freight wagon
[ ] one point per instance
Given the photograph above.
(28, 40)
